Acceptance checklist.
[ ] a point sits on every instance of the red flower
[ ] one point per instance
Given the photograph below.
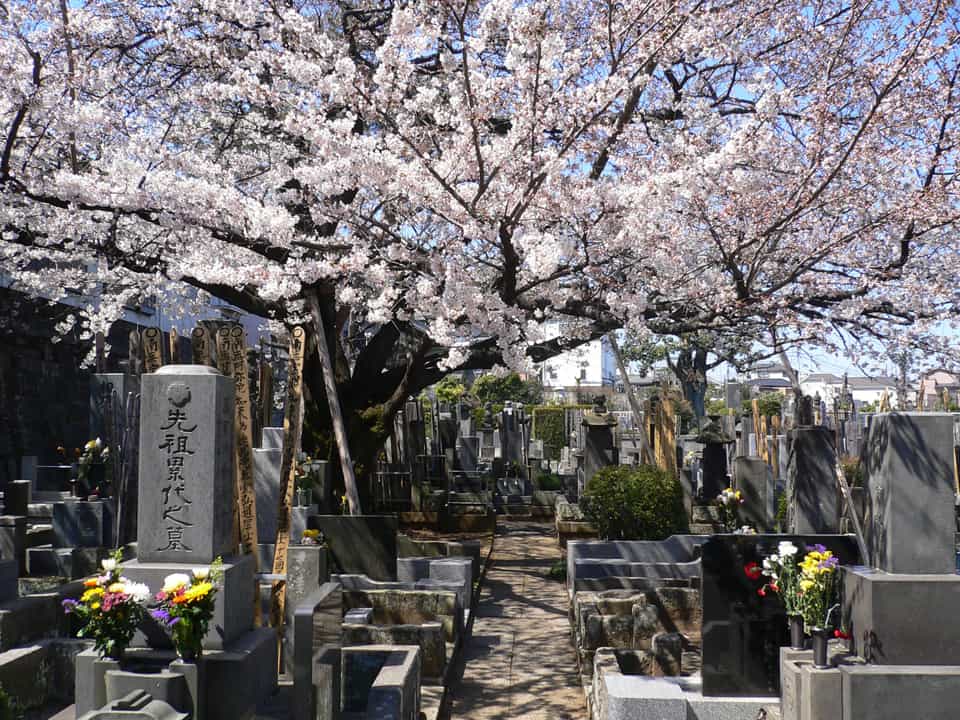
(753, 570)
(762, 592)
(774, 588)
(841, 634)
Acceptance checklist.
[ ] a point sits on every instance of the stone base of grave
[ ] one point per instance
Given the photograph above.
(46, 560)
(232, 616)
(224, 685)
(8, 580)
(883, 633)
(361, 544)
(641, 697)
(851, 690)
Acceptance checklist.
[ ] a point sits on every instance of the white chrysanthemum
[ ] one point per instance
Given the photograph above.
(787, 549)
(201, 573)
(108, 565)
(174, 581)
(138, 591)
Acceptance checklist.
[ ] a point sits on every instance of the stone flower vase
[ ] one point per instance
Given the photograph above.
(187, 641)
(821, 637)
(797, 636)
(304, 497)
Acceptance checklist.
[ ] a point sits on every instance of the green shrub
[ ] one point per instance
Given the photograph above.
(769, 404)
(549, 425)
(852, 470)
(634, 503)
(548, 481)
(450, 389)
(8, 707)
(558, 571)
(782, 512)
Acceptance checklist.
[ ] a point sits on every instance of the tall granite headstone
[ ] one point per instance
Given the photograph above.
(599, 447)
(186, 465)
(910, 519)
(755, 480)
(812, 498)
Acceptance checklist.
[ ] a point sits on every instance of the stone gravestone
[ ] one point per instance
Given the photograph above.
(186, 504)
(755, 480)
(812, 498)
(83, 524)
(715, 439)
(742, 631)
(910, 519)
(512, 430)
(468, 453)
(186, 494)
(108, 395)
(599, 447)
(186, 466)
(16, 497)
(13, 540)
(902, 611)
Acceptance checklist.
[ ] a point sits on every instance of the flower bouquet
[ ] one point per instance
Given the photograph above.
(94, 457)
(783, 578)
(110, 608)
(729, 501)
(304, 480)
(185, 607)
(311, 537)
(818, 588)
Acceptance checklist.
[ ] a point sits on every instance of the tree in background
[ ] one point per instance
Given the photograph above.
(498, 389)
(689, 357)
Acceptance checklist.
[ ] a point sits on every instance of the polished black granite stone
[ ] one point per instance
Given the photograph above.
(742, 631)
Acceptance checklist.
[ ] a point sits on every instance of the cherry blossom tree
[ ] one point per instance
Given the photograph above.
(441, 178)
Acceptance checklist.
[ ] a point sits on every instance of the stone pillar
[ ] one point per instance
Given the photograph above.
(755, 480)
(266, 483)
(13, 540)
(186, 493)
(812, 497)
(714, 470)
(910, 518)
(16, 497)
(105, 390)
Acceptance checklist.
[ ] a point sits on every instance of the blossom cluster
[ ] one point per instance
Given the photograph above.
(110, 607)
(806, 586)
(730, 497)
(487, 170)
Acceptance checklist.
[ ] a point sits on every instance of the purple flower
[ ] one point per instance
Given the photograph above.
(820, 548)
(162, 616)
(830, 562)
(69, 605)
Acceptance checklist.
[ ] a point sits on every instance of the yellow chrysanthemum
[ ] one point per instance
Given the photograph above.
(805, 585)
(117, 587)
(91, 594)
(95, 606)
(196, 592)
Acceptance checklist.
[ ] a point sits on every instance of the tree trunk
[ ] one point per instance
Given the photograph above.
(638, 419)
(691, 371)
(333, 403)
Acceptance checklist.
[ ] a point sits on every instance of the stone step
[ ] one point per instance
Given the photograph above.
(706, 513)
(706, 529)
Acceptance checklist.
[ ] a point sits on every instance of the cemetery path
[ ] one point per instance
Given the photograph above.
(519, 661)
